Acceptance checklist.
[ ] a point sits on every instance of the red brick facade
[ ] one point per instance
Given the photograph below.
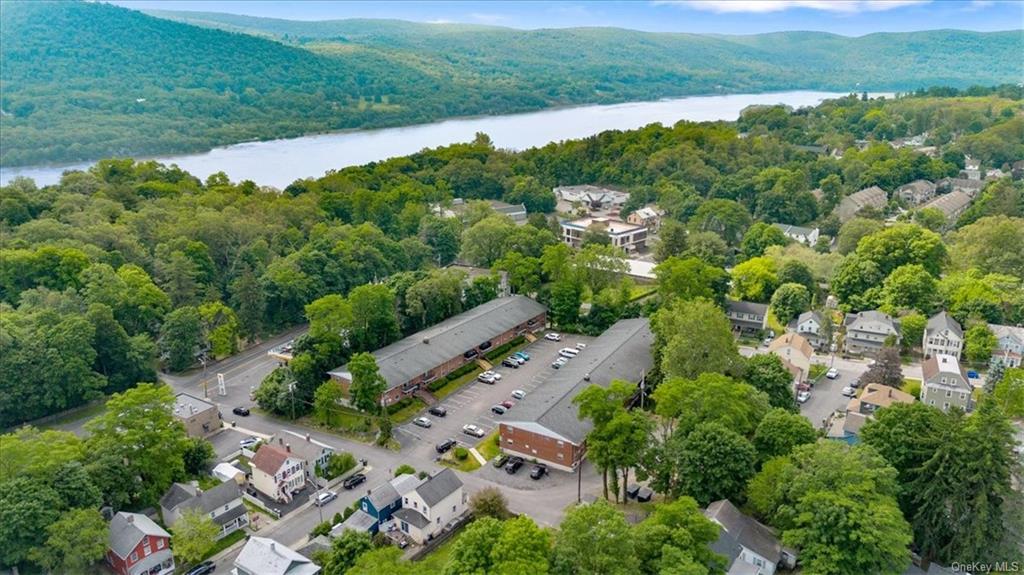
(531, 445)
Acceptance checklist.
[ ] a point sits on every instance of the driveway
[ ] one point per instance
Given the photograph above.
(472, 403)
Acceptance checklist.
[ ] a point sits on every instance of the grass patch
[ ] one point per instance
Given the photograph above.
(641, 291)
(774, 325)
(76, 415)
(256, 508)
(453, 385)
(207, 482)
(227, 541)
(817, 370)
(468, 464)
(407, 412)
(912, 386)
(488, 448)
(436, 561)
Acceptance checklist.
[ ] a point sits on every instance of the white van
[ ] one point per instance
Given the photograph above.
(568, 352)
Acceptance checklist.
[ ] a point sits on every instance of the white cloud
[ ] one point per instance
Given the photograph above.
(765, 6)
(440, 21)
(487, 18)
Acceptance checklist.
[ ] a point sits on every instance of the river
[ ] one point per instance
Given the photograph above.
(280, 162)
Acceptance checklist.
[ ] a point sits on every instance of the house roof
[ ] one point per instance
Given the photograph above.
(856, 321)
(382, 496)
(1001, 331)
(358, 521)
(411, 517)
(943, 363)
(919, 186)
(215, 498)
(883, 395)
(405, 483)
(127, 529)
(186, 405)
(647, 212)
(423, 351)
(318, 543)
(950, 204)
(794, 230)
(268, 557)
(621, 352)
(176, 495)
(230, 515)
(793, 340)
(738, 306)
(609, 225)
(303, 447)
(941, 321)
(270, 458)
(438, 487)
(874, 197)
(745, 530)
(807, 315)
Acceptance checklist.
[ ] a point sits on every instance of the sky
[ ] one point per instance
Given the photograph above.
(847, 17)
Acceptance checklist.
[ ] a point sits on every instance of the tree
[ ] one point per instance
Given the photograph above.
(992, 245)
(74, 542)
(181, 337)
(789, 301)
(566, 297)
(887, 369)
(979, 342)
(930, 218)
(710, 397)
(912, 328)
(852, 232)
(672, 240)
(615, 433)
(345, 551)
(755, 280)
(758, 237)
(780, 432)
(481, 290)
(797, 272)
(522, 547)
(693, 337)
(689, 279)
(708, 247)
(367, 383)
(193, 535)
(331, 314)
(220, 328)
(523, 272)
(27, 508)
(472, 551)
(854, 276)
(903, 244)
(765, 372)
(910, 287)
(442, 235)
(489, 502)
(198, 453)
(124, 360)
(383, 561)
(726, 218)
(374, 319)
(716, 463)
(594, 538)
(484, 242)
(1009, 392)
(676, 538)
(327, 403)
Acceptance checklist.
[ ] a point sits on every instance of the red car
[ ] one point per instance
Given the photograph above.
(508, 403)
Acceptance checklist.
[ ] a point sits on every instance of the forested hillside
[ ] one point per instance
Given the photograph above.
(88, 80)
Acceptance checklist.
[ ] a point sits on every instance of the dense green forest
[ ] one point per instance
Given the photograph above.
(129, 263)
(89, 80)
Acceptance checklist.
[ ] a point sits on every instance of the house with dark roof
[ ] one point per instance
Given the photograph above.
(942, 334)
(428, 508)
(945, 383)
(969, 187)
(873, 197)
(749, 547)
(138, 546)
(517, 212)
(223, 504)
(545, 426)
(747, 318)
(430, 354)
(916, 192)
(951, 205)
(867, 331)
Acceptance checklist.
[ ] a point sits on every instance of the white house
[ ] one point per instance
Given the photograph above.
(867, 331)
(806, 236)
(430, 506)
(277, 473)
(749, 547)
(223, 504)
(1010, 344)
(264, 556)
(808, 325)
(628, 237)
(795, 352)
(943, 334)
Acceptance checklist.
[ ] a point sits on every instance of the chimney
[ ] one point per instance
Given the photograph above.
(280, 441)
(288, 447)
(129, 518)
(272, 547)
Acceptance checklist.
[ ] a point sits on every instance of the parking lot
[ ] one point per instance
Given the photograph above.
(472, 403)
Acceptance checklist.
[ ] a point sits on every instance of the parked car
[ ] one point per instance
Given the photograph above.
(568, 352)
(558, 363)
(972, 374)
(803, 387)
(243, 411)
(353, 481)
(538, 471)
(438, 410)
(849, 391)
(513, 465)
(553, 337)
(803, 396)
(488, 379)
(422, 422)
(498, 409)
(204, 568)
(580, 345)
(767, 341)
(500, 461)
(445, 445)
(517, 359)
(508, 403)
(832, 373)
(493, 374)
(325, 498)
(523, 355)
(518, 393)
(470, 429)
(509, 362)
(248, 442)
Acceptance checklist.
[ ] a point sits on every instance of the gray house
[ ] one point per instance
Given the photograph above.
(749, 547)
(916, 192)
(867, 331)
(222, 503)
(945, 383)
(746, 317)
(873, 197)
(943, 334)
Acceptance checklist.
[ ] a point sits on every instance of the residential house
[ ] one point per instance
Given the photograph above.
(1010, 344)
(867, 331)
(862, 409)
(226, 472)
(264, 556)
(544, 426)
(277, 472)
(647, 217)
(795, 352)
(747, 318)
(200, 417)
(138, 546)
(593, 197)
(517, 212)
(873, 197)
(379, 504)
(969, 187)
(994, 174)
(809, 325)
(942, 335)
(945, 383)
(951, 205)
(628, 237)
(434, 352)
(916, 192)
(806, 236)
(313, 453)
(428, 508)
(223, 504)
(972, 169)
(749, 547)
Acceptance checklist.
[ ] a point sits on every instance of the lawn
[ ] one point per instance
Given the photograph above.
(467, 465)
(488, 448)
(912, 386)
(817, 370)
(407, 412)
(641, 291)
(222, 544)
(75, 415)
(455, 384)
(774, 325)
(437, 559)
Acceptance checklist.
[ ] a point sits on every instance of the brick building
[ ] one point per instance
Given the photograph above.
(432, 353)
(544, 426)
(200, 417)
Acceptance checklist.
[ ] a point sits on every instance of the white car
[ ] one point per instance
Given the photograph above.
(580, 345)
(486, 378)
(849, 391)
(553, 337)
(803, 396)
(422, 422)
(832, 373)
(248, 442)
(470, 429)
(325, 498)
(492, 374)
(518, 393)
(568, 352)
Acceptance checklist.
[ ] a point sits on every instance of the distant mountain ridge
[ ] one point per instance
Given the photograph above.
(88, 80)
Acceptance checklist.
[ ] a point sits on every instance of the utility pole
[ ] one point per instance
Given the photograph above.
(206, 391)
(291, 391)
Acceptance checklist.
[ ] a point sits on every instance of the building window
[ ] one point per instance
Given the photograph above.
(146, 549)
(134, 557)
(159, 543)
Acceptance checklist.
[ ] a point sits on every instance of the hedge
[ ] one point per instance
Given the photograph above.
(439, 383)
(400, 405)
(503, 349)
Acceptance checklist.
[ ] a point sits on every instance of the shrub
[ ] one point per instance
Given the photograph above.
(405, 469)
(423, 475)
(503, 349)
(338, 464)
(321, 529)
(400, 405)
(489, 502)
(461, 453)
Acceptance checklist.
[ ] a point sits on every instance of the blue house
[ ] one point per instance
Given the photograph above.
(378, 505)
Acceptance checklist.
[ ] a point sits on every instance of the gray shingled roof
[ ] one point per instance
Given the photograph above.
(176, 495)
(739, 306)
(425, 350)
(943, 320)
(807, 315)
(795, 230)
(854, 320)
(382, 496)
(950, 204)
(435, 489)
(745, 530)
(411, 517)
(358, 521)
(127, 529)
(621, 352)
(268, 557)
(215, 498)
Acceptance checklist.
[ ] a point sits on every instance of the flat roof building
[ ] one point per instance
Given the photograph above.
(436, 351)
(545, 426)
(628, 237)
(200, 417)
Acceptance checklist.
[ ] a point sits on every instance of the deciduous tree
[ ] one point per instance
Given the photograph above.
(193, 535)
(367, 382)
